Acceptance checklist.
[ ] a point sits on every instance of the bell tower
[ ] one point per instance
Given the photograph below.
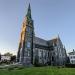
(25, 50)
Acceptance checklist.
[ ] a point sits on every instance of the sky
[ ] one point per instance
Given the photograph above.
(51, 18)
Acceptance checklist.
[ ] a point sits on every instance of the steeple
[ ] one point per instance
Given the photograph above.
(25, 51)
(29, 12)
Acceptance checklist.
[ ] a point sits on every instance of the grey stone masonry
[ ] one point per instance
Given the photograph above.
(34, 50)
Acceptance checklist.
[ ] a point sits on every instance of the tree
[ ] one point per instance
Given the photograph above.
(8, 54)
(0, 56)
(13, 58)
(68, 60)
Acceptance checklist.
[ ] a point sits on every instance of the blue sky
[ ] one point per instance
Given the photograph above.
(51, 17)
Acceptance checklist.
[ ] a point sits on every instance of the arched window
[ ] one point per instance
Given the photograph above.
(28, 44)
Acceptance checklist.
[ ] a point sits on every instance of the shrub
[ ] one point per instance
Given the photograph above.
(11, 68)
(70, 65)
(20, 67)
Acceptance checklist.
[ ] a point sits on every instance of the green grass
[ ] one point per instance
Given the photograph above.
(38, 71)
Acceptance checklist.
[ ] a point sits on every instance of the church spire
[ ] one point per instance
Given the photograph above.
(29, 12)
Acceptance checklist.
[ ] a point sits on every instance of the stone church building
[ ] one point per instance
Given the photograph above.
(34, 50)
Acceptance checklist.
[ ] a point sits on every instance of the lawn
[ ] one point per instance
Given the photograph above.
(38, 71)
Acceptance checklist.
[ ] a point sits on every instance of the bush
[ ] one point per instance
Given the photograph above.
(21, 67)
(11, 68)
(70, 65)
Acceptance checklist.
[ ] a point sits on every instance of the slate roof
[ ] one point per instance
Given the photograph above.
(40, 41)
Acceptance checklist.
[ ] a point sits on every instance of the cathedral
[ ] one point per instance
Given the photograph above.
(33, 50)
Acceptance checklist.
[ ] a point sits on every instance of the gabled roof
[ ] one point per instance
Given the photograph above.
(40, 41)
(72, 53)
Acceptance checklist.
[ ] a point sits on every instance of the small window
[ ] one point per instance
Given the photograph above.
(72, 61)
(71, 57)
(74, 57)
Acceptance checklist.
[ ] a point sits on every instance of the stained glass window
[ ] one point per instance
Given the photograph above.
(28, 44)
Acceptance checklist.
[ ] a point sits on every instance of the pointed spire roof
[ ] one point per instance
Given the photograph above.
(29, 11)
(29, 6)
